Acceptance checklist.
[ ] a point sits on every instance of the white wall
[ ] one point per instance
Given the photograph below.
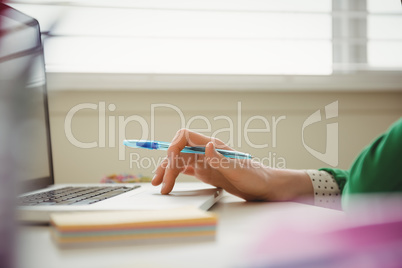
(362, 117)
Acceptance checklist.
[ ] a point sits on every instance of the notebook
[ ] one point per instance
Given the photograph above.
(81, 227)
(23, 67)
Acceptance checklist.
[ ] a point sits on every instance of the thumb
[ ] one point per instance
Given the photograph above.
(226, 166)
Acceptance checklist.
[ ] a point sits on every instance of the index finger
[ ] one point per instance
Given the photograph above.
(186, 137)
(183, 138)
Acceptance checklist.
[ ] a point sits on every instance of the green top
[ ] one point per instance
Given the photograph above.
(377, 169)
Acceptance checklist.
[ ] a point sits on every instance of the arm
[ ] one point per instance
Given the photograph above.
(245, 178)
(376, 169)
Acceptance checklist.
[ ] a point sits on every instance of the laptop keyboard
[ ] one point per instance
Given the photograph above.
(73, 196)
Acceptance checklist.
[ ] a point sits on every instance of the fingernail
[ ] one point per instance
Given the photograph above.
(153, 178)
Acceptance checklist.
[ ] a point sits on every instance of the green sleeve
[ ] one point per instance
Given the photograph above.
(378, 167)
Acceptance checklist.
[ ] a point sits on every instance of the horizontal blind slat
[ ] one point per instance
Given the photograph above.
(190, 56)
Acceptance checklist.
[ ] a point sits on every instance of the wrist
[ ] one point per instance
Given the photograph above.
(291, 185)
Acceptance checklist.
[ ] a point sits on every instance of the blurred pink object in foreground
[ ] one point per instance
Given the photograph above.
(371, 236)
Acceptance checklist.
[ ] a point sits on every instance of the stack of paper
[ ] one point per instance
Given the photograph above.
(132, 225)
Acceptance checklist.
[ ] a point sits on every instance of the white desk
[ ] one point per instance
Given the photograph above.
(237, 229)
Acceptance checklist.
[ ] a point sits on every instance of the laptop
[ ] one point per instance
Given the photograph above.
(22, 66)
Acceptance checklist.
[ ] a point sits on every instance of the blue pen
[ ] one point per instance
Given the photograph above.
(161, 145)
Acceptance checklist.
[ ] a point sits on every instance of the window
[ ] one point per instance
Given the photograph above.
(287, 40)
(367, 35)
(384, 35)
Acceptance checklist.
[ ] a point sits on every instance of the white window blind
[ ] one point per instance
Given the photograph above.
(367, 35)
(384, 34)
(221, 37)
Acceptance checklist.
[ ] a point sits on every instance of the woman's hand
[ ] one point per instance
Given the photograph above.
(245, 178)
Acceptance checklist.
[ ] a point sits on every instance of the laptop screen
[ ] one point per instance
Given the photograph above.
(22, 74)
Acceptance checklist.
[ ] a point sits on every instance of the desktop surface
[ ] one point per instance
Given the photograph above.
(238, 231)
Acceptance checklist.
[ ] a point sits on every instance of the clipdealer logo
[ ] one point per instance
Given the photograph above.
(117, 129)
(330, 156)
